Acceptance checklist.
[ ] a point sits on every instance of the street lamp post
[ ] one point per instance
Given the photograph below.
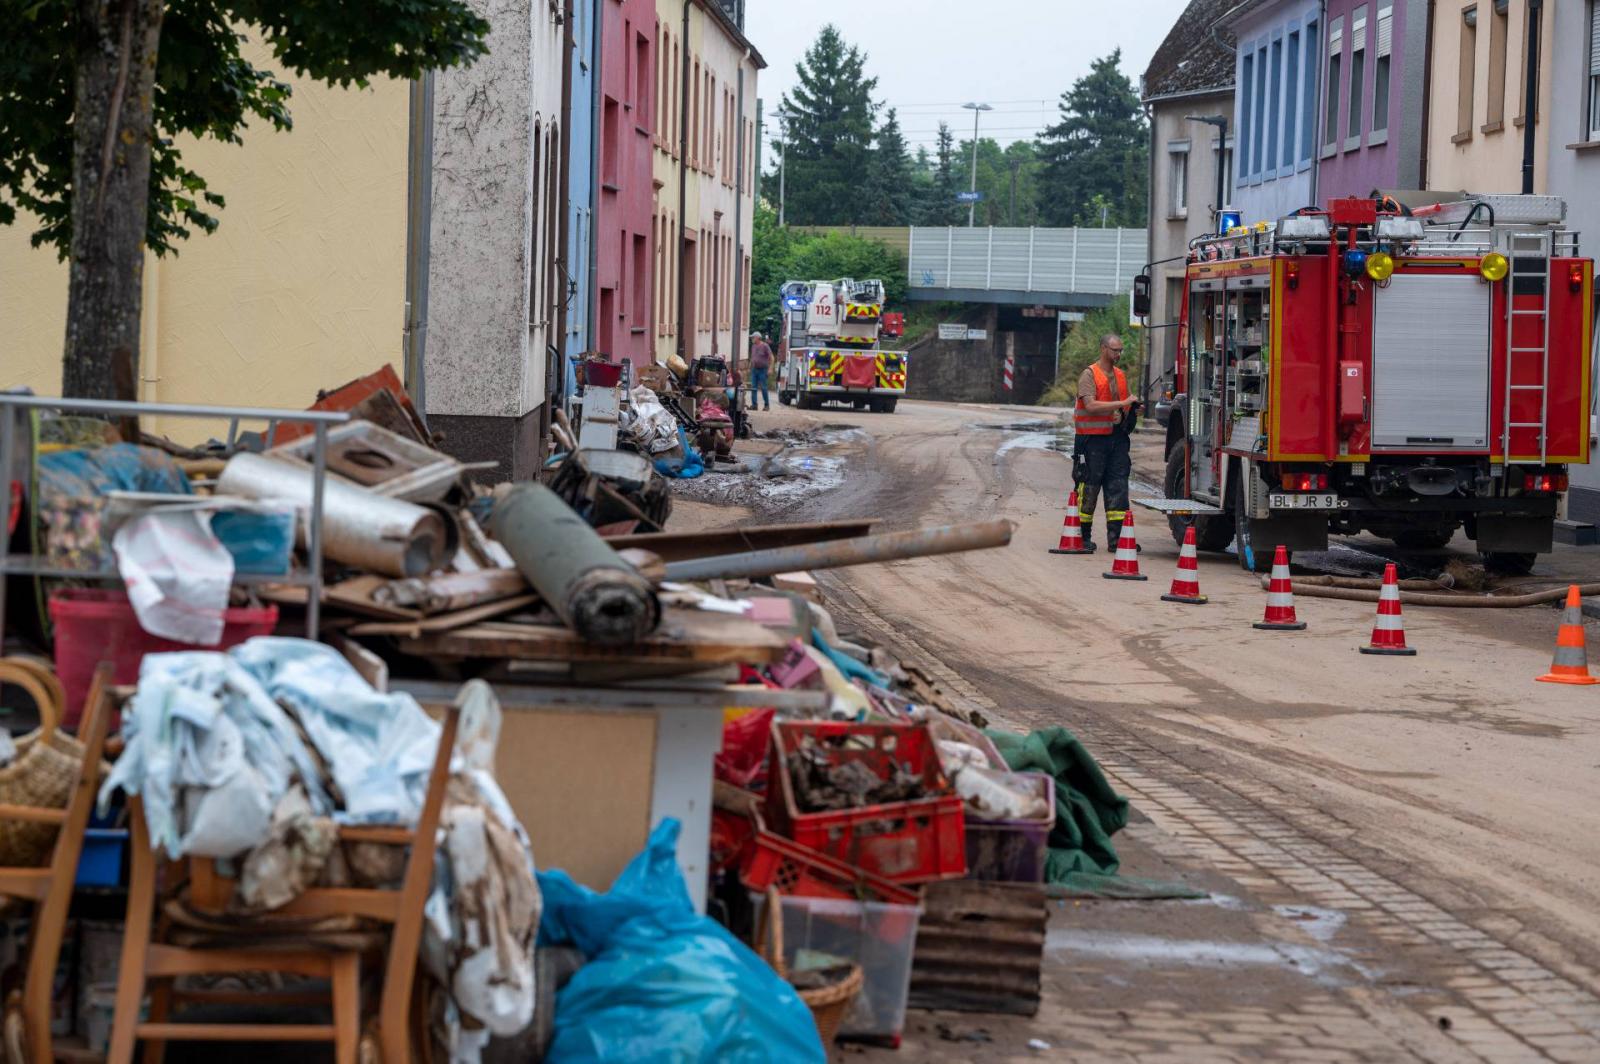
(977, 110)
(1221, 124)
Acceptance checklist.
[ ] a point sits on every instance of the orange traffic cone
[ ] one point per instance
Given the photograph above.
(1571, 664)
(1389, 633)
(1125, 566)
(1071, 531)
(1280, 597)
(1186, 584)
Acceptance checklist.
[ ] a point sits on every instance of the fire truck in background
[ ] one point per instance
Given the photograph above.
(832, 346)
(1402, 371)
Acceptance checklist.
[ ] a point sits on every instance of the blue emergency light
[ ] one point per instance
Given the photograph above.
(1229, 220)
(1355, 262)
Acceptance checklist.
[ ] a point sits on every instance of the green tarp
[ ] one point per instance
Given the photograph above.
(1082, 862)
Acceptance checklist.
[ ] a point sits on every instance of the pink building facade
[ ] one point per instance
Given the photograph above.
(623, 283)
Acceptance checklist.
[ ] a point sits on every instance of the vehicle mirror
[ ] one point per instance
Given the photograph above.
(1141, 296)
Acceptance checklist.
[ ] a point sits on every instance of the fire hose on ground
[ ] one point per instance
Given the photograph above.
(1427, 592)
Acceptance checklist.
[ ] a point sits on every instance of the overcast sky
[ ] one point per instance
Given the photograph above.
(930, 57)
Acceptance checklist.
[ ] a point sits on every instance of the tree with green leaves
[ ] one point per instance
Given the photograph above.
(95, 94)
(939, 206)
(888, 189)
(828, 133)
(1099, 148)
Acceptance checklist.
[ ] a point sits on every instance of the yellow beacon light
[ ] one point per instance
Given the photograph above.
(1380, 266)
(1494, 267)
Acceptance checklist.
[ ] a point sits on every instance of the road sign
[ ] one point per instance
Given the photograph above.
(961, 332)
(969, 197)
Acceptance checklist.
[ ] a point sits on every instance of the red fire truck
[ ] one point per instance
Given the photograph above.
(1374, 367)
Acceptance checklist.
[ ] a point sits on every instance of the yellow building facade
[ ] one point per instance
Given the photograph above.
(301, 287)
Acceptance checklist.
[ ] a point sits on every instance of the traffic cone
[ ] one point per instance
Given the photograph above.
(1389, 633)
(1071, 531)
(1186, 584)
(1125, 566)
(1571, 663)
(1280, 597)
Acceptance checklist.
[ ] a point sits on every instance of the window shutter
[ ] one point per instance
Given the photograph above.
(1594, 38)
(1385, 30)
(1336, 36)
(1358, 27)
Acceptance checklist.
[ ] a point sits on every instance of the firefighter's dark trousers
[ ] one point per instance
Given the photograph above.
(1106, 464)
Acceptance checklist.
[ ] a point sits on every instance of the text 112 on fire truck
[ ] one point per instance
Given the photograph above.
(1407, 371)
(832, 346)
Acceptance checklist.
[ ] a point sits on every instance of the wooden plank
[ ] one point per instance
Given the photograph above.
(447, 592)
(684, 636)
(445, 622)
(353, 595)
(980, 947)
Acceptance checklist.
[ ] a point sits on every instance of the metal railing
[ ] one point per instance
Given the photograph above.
(16, 408)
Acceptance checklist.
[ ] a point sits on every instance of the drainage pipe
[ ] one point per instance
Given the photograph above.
(893, 546)
(1315, 587)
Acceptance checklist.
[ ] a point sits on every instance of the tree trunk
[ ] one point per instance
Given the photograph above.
(116, 63)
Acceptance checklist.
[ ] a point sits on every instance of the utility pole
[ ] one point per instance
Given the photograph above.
(1531, 108)
(1220, 122)
(977, 110)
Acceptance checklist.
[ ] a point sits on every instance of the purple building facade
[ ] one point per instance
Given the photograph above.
(1370, 113)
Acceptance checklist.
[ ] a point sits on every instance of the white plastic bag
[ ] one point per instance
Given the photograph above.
(177, 573)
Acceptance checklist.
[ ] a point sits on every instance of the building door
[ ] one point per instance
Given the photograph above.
(689, 301)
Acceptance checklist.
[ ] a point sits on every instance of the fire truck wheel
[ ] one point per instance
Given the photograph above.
(1509, 563)
(1210, 533)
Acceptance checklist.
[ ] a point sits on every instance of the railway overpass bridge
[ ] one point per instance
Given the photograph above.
(1013, 283)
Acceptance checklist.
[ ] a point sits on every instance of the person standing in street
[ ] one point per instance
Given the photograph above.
(1102, 422)
(760, 367)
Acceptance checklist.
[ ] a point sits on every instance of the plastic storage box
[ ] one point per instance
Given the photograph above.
(879, 937)
(773, 861)
(92, 626)
(908, 842)
(1013, 851)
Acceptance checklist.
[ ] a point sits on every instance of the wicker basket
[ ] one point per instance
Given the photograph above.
(828, 1004)
(42, 774)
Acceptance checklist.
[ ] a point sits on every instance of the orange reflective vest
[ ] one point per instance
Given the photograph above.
(1100, 424)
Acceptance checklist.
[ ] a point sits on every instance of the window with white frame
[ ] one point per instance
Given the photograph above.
(1274, 103)
(1178, 172)
(1226, 148)
(1593, 67)
(1381, 70)
(1263, 161)
(1332, 85)
(1291, 85)
(1358, 71)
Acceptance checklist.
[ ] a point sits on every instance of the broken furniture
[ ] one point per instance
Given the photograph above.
(47, 760)
(385, 462)
(325, 933)
(980, 947)
(18, 414)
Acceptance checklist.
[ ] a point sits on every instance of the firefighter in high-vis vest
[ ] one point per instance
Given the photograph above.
(1102, 454)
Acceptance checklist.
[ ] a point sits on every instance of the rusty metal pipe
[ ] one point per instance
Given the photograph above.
(892, 546)
(589, 585)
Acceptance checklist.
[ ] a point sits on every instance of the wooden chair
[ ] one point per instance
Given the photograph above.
(49, 887)
(336, 958)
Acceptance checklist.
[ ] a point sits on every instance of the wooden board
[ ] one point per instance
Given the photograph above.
(444, 622)
(581, 783)
(685, 636)
(679, 546)
(980, 947)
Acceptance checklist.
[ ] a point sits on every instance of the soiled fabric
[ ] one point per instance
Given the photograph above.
(211, 754)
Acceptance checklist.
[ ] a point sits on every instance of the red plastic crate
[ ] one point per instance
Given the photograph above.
(93, 626)
(774, 861)
(906, 842)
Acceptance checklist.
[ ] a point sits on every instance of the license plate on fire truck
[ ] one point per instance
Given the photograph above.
(1316, 501)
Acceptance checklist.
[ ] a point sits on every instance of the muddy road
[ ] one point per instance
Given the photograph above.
(1402, 855)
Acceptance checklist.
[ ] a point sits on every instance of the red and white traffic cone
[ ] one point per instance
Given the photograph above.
(1571, 664)
(1280, 597)
(1389, 633)
(1186, 584)
(1071, 531)
(1125, 566)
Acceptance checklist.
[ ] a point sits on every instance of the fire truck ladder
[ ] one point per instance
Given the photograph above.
(1530, 259)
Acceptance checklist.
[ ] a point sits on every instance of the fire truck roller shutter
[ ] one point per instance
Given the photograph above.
(1430, 363)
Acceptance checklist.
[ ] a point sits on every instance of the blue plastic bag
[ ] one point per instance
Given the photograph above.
(664, 983)
(688, 467)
